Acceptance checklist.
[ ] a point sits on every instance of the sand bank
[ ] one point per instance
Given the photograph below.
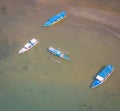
(96, 15)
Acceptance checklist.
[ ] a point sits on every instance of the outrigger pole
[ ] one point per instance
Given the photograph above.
(51, 58)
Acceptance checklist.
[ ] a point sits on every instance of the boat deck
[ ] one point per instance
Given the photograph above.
(107, 70)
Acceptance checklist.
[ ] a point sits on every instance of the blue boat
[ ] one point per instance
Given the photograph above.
(103, 75)
(58, 53)
(54, 19)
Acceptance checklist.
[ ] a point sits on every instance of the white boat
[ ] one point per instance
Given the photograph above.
(28, 45)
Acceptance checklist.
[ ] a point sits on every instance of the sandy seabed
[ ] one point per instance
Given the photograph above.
(31, 82)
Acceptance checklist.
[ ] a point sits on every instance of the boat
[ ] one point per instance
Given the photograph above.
(103, 75)
(59, 53)
(28, 45)
(54, 19)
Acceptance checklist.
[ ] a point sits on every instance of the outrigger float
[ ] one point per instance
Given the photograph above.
(54, 19)
(103, 75)
(28, 45)
(58, 53)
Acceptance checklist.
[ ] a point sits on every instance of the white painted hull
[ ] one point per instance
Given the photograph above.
(28, 45)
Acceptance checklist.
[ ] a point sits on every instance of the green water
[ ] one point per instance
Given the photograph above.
(31, 82)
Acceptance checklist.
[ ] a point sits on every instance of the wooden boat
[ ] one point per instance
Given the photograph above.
(103, 75)
(54, 19)
(58, 53)
(28, 45)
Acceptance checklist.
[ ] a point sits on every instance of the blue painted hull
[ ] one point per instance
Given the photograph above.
(54, 19)
(103, 75)
(58, 53)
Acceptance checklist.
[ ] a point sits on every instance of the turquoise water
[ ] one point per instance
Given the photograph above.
(31, 82)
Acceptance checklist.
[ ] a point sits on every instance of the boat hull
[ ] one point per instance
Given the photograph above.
(58, 53)
(54, 19)
(28, 45)
(102, 75)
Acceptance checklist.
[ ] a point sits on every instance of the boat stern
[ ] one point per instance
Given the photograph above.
(96, 83)
(66, 57)
(46, 24)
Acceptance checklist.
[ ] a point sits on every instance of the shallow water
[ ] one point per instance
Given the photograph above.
(31, 82)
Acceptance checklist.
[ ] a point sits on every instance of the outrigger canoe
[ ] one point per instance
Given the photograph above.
(58, 53)
(54, 19)
(28, 45)
(103, 75)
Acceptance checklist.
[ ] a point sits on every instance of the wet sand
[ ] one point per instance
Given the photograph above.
(31, 82)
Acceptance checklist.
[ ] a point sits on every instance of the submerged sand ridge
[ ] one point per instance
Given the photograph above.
(96, 15)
